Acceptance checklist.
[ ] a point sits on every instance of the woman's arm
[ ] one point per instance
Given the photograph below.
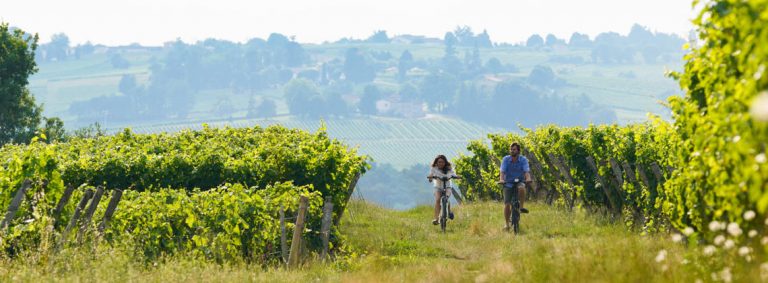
(431, 174)
(452, 173)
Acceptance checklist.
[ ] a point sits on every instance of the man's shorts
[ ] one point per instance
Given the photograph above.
(510, 193)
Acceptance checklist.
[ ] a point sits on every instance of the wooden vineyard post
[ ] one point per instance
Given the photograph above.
(350, 190)
(636, 212)
(39, 196)
(493, 193)
(111, 207)
(477, 190)
(325, 230)
(89, 213)
(283, 243)
(463, 190)
(569, 179)
(298, 229)
(603, 184)
(15, 204)
(657, 174)
(630, 173)
(561, 174)
(496, 160)
(643, 177)
(456, 195)
(63, 201)
(551, 189)
(619, 182)
(80, 206)
(535, 172)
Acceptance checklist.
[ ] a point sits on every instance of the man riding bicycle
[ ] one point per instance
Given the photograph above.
(514, 169)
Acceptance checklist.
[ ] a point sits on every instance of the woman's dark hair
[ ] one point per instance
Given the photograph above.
(447, 164)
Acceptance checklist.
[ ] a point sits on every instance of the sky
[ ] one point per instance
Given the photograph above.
(153, 22)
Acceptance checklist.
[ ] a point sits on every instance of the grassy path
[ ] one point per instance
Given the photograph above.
(555, 246)
(403, 246)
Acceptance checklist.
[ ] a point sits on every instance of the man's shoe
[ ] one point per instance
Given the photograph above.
(523, 210)
(506, 228)
(434, 222)
(450, 215)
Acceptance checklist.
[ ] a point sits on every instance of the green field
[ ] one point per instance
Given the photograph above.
(59, 84)
(402, 246)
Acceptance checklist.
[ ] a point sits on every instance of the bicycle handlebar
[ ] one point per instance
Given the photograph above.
(444, 179)
(513, 182)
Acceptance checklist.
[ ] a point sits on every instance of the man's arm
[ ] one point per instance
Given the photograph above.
(527, 171)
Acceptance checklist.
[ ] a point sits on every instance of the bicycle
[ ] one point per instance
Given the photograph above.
(514, 217)
(445, 205)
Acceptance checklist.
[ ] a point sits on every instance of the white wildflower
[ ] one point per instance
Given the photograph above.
(714, 226)
(734, 229)
(764, 241)
(696, 154)
(736, 139)
(677, 238)
(709, 250)
(688, 231)
(719, 240)
(759, 73)
(726, 275)
(743, 251)
(749, 215)
(759, 109)
(752, 233)
(729, 244)
(661, 256)
(760, 158)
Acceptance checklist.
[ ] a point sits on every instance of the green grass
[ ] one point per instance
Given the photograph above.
(402, 246)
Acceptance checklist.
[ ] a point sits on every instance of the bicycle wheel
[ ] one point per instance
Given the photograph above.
(516, 218)
(443, 214)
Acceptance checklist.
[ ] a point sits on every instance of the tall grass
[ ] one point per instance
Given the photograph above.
(395, 246)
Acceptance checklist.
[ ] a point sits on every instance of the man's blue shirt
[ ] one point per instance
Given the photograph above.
(514, 170)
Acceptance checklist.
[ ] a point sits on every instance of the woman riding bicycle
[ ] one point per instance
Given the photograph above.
(441, 168)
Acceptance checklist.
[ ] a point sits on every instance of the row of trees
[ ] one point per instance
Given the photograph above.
(188, 69)
(613, 48)
(607, 47)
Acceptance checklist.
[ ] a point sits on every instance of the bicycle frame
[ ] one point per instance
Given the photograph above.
(444, 203)
(514, 217)
(443, 208)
